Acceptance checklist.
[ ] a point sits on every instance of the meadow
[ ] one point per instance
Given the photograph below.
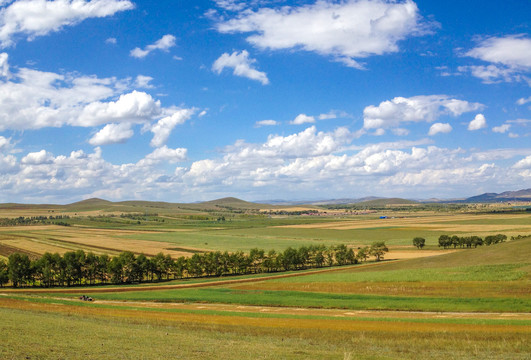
(431, 303)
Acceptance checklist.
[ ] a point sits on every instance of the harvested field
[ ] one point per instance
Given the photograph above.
(445, 223)
(6, 250)
(41, 239)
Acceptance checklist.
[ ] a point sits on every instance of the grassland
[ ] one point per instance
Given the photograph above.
(466, 304)
(183, 236)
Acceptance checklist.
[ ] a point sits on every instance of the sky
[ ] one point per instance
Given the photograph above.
(184, 101)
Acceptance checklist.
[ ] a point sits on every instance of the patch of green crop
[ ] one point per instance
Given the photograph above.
(505, 272)
(326, 300)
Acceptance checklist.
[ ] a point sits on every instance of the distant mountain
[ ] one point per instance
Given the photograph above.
(520, 195)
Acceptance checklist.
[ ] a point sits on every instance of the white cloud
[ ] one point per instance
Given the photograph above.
(523, 101)
(502, 129)
(5, 144)
(458, 175)
(479, 122)
(34, 18)
(437, 128)
(400, 131)
(163, 128)
(111, 40)
(36, 158)
(132, 107)
(302, 119)
(242, 66)
(112, 134)
(164, 44)
(513, 51)
(345, 30)
(492, 74)
(166, 154)
(36, 99)
(510, 59)
(230, 5)
(4, 65)
(424, 108)
(525, 163)
(306, 163)
(143, 81)
(333, 114)
(266, 123)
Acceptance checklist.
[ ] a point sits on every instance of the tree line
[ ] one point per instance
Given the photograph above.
(32, 220)
(80, 268)
(447, 241)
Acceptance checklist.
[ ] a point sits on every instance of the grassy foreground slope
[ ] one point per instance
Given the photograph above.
(54, 327)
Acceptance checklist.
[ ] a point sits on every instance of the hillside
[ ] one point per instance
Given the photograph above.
(520, 195)
(511, 252)
(231, 203)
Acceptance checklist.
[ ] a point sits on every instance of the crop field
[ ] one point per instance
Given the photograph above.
(430, 303)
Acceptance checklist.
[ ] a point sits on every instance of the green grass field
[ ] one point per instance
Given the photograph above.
(471, 304)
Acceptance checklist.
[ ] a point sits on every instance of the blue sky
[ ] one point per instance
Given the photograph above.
(267, 99)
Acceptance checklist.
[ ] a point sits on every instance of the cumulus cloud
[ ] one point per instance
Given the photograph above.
(307, 162)
(165, 43)
(346, 30)
(479, 122)
(166, 154)
(437, 128)
(242, 66)
(32, 99)
(162, 129)
(34, 18)
(112, 134)
(302, 119)
(135, 106)
(525, 163)
(266, 123)
(502, 129)
(36, 158)
(424, 108)
(510, 59)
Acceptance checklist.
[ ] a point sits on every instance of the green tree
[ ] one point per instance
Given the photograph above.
(319, 259)
(18, 268)
(378, 249)
(445, 241)
(195, 265)
(419, 242)
(363, 253)
(341, 254)
(4, 273)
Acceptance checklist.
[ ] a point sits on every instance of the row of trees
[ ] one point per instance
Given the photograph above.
(80, 268)
(447, 241)
(21, 220)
